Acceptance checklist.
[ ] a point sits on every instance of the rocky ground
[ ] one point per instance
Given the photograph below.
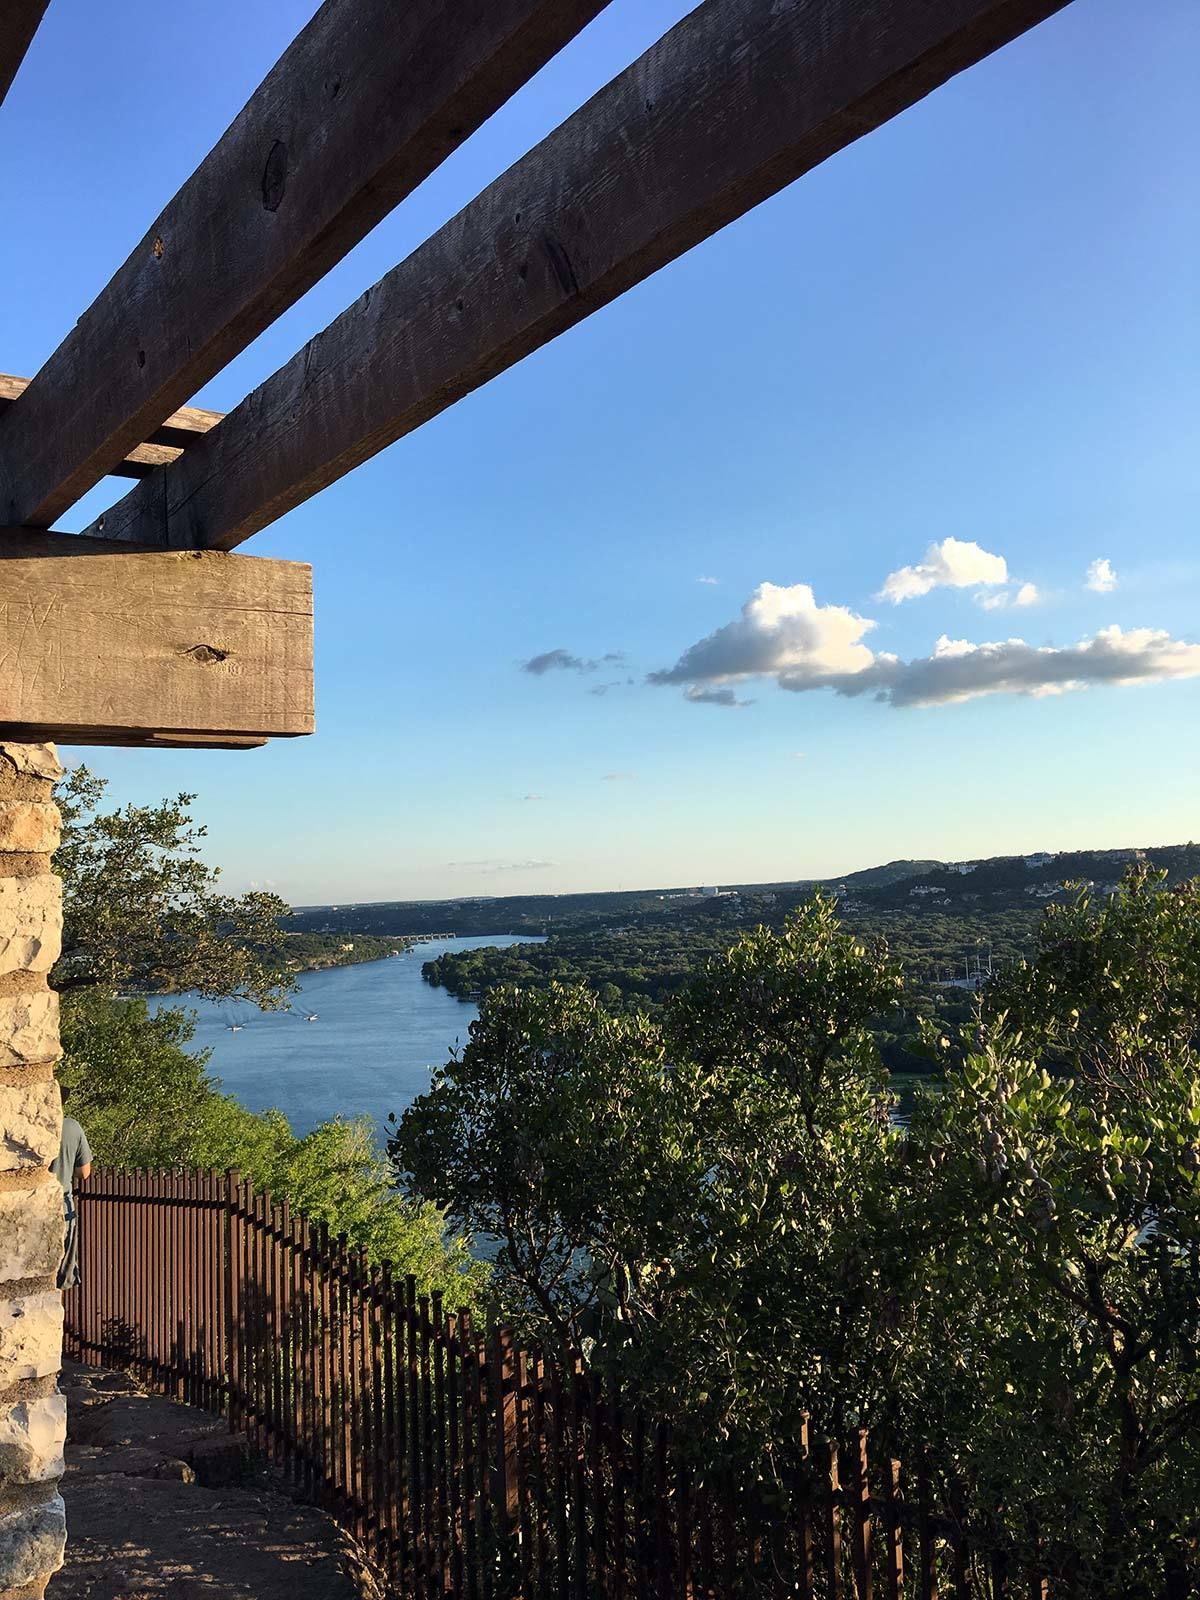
(162, 1501)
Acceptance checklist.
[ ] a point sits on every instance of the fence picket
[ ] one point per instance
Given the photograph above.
(863, 1530)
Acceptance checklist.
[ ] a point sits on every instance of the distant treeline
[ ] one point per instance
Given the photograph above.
(309, 952)
(884, 887)
(942, 926)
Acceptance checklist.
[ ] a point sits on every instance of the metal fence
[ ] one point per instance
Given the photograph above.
(466, 1466)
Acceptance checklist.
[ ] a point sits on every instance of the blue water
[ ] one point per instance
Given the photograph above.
(380, 1029)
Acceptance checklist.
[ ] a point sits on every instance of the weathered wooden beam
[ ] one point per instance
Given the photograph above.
(165, 444)
(19, 21)
(368, 100)
(104, 644)
(732, 104)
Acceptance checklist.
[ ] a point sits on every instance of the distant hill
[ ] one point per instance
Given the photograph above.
(977, 887)
(883, 877)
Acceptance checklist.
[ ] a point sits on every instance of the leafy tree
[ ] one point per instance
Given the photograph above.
(1113, 991)
(681, 1194)
(142, 911)
(534, 1138)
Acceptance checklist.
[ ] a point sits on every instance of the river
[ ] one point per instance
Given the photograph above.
(380, 1029)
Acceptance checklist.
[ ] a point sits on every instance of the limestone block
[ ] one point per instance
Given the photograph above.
(32, 1542)
(31, 1441)
(28, 1028)
(30, 1124)
(30, 1337)
(30, 923)
(29, 825)
(32, 760)
(31, 1231)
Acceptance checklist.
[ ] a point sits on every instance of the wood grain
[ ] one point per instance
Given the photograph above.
(727, 108)
(166, 444)
(19, 21)
(111, 645)
(367, 101)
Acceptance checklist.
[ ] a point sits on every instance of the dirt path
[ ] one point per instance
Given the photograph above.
(162, 1501)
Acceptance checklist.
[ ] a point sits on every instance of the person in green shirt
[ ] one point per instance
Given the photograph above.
(72, 1165)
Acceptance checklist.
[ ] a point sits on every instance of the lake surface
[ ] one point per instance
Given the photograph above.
(380, 1029)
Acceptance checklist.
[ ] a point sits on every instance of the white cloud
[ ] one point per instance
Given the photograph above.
(1101, 577)
(1026, 595)
(708, 580)
(958, 670)
(533, 797)
(782, 633)
(953, 564)
(781, 630)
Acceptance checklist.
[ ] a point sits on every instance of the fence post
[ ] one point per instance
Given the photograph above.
(926, 1554)
(895, 1533)
(834, 1502)
(232, 1374)
(862, 1519)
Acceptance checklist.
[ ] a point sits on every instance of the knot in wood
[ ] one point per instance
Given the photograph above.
(274, 178)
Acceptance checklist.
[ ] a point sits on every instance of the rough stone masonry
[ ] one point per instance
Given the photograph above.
(32, 1412)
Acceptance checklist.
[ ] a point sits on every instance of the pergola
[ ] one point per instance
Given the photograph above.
(143, 629)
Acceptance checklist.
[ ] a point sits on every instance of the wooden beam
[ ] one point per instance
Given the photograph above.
(369, 99)
(19, 21)
(166, 444)
(103, 644)
(732, 104)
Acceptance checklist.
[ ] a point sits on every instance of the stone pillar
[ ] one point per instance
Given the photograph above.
(32, 1412)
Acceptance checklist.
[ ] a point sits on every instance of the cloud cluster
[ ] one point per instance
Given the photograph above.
(563, 661)
(1101, 577)
(952, 564)
(782, 633)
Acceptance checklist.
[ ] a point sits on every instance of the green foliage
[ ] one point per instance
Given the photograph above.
(1013, 1284)
(533, 1138)
(677, 1192)
(1114, 990)
(142, 911)
(1050, 1252)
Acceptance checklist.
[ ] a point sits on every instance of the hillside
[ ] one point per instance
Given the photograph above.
(985, 885)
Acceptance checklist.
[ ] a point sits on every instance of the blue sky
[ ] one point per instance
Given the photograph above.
(977, 324)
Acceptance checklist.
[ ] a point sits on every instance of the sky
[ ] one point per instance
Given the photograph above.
(866, 530)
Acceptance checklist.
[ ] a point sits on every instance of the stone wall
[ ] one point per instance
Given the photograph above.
(32, 1412)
